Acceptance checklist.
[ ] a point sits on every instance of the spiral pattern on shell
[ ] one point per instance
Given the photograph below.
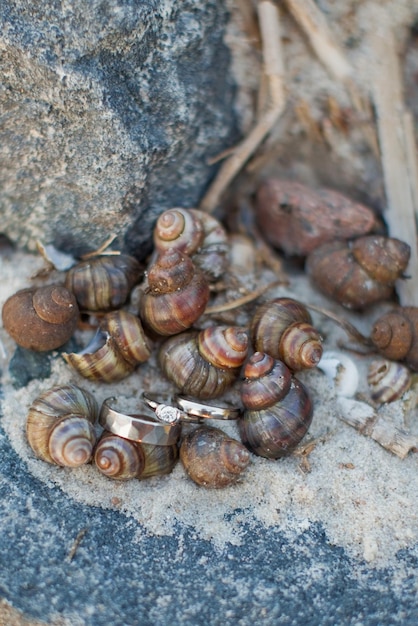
(204, 364)
(119, 345)
(388, 380)
(123, 459)
(176, 296)
(283, 328)
(359, 275)
(276, 427)
(197, 234)
(41, 318)
(212, 459)
(103, 283)
(59, 425)
(395, 335)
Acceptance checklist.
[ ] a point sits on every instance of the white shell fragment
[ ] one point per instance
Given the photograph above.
(61, 261)
(342, 371)
(388, 380)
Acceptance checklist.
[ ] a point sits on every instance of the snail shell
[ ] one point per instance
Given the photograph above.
(359, 274)
(41, 318)
(59, 425)
(388, 380)
(395, 335)
(282, 328)
(119, 345)
(123, 459)
(196, 234)
(103, 283)
(203, 364)
(278, 407)
(297, 219)
(176, 296)
(212, 459)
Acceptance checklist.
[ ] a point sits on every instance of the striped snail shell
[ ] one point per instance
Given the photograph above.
(59, 425)
(361, 273)
(41, 318)
(283, 329)
(388, 380)
(212, 459)
(123, 459)
(278, 408)
(204, 363)
(196, 234)
(119, 345)
(395, 335)
(176, 295)
(103, 283)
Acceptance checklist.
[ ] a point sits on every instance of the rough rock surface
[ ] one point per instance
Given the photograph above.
(109, 113)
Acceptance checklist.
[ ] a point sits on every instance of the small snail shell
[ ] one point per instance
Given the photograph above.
(196, 234)
(359, 274)
(117, 348)
(395, 335)
(176, 296)
(388, 380)
(212, 459)
(123, 459)
(103, 283)
(41, 318)
(59, 425)
(282, 328)
(278, 408)
(203, 364)
(298, 219)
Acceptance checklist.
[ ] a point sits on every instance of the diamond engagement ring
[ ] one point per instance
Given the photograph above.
(139, 427)
(187, 409)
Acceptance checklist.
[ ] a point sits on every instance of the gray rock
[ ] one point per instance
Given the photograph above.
(110, 111)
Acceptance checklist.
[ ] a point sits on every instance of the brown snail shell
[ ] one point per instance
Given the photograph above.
(41, 318)
(103, 283)
(359, 274)
(278, 408)
(176, 296)
(123, 459)
(283, 329)
(298, 219)
(119, 345)
(59, 425)
(197, 234)
(212, 459)
(395, 335)
(388, 380)
(204, 364)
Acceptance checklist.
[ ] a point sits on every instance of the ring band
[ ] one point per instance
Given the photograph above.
(187, 409)
(138, 427)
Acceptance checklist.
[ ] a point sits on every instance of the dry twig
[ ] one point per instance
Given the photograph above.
(269, 22)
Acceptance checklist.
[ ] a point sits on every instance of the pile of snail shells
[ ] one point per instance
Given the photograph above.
(175, 295)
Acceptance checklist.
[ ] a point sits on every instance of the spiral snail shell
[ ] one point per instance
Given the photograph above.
(395, 335)
(59, 425)
(388, 380)
(123, 459)
(212, 459)
(361, 273)
(176, 295)
(103, 283)
(283, 328)
(278, 408)
(298, 219)
(203, 364)
(119, 345)
(196, 234)
(41, 318)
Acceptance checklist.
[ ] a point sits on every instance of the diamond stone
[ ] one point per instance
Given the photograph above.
(167, 414)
